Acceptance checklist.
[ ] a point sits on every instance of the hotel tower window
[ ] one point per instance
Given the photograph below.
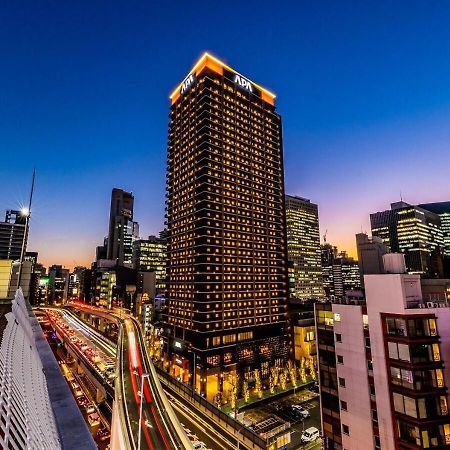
(227, 254)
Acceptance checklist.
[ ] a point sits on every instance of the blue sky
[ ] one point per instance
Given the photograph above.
(363, 89)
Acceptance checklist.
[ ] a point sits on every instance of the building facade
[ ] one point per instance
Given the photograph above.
(151, 255)
(382, 366)
(443, 210)
(303, 243)
(227, 255)
(341, 272)
(414, 231)
(58, 284)
(370, 255)
(12, 232)
(122, 230)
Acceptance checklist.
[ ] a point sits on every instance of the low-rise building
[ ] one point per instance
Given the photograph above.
(383, 364)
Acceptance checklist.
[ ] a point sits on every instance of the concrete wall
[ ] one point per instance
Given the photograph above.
(354, 371)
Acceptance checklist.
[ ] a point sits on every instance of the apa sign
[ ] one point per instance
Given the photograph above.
(187, 83)
(241, 81)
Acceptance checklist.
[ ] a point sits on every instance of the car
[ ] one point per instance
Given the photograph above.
(300, 411)
(310, 434)
(89, 408)
(199, 445)
(93, 419)
(82, 400)
(77, 392)
(103, 434)
(314, 388)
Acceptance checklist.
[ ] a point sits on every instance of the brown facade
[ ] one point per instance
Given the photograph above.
(227, 263)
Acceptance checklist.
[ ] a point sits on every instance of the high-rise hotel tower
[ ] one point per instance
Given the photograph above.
(227, 256)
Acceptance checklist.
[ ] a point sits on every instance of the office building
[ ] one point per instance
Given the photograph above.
(150, 255)
(370, 255)
(58, 284)
(303, 244)
(122, 230)
(414, 231)
(301, 317)
(443, 210)
(9, 273)
(383, 364)
(12, 232)
(101, 251)
(112, 285)
(79, 283)
(340, 272)
(227, 255)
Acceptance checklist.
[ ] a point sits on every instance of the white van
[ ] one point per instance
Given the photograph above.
(310, 434)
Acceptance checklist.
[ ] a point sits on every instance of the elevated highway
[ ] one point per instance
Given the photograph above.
(143, 418)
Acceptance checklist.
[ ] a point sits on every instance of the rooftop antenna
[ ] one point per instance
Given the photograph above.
(27, 213)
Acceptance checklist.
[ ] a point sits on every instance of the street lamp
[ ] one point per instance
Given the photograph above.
(25, 212)
(141, 393)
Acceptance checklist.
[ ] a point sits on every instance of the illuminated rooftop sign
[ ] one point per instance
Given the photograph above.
(187, 83)
(241, 81)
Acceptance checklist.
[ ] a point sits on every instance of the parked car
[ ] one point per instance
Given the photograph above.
(302, 412)
(314, 388)
(310, 434)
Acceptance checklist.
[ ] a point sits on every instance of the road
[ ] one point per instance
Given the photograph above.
(95, 351)
(157, 432)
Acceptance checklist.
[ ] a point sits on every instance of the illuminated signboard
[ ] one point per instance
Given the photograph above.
(244, 83)
(187, 83)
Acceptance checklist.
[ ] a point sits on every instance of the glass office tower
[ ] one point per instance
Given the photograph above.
(227, 255)
(303, 243)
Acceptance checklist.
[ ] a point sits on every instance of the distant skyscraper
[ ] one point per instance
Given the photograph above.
(227, 255)
(443, 210)
(101, 251)
(370, 255)
(58, 284)
(12, 232)
(414, 231)
(303, 243)
(122, 230)
(151, 255)
(340, 272)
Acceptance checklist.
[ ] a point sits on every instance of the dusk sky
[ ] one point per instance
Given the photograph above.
(363, 89)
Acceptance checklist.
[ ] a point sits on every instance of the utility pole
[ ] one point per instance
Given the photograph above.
(27, 213)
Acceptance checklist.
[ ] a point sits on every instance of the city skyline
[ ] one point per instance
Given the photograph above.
(93, 116)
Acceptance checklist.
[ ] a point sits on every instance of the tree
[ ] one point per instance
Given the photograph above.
(283, 380)
(245, 391)
(292, 373)
(258, 387)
